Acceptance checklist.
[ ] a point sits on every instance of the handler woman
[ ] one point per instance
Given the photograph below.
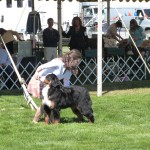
(62, 67)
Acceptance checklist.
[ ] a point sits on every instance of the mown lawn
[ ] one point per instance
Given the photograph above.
(122, 121)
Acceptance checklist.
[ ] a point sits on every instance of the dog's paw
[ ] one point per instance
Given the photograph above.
(35, 122)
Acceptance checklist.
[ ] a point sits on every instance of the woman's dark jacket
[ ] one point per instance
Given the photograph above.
(78, 39)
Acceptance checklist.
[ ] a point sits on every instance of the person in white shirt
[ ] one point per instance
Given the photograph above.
(62, 67)
(4, 58)
(112, 31)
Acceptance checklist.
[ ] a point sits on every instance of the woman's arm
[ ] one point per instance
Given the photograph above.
(139, 35)
(115, 37)
(66, 82)
(44, 68)
(68, 34)
(119, 36)
(66, 79)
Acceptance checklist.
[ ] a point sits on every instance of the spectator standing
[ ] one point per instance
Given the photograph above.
(50, 41)
(8, 37)
(77, 35)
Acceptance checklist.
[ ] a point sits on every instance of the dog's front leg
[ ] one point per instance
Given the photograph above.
(47, 119)
(55, 116)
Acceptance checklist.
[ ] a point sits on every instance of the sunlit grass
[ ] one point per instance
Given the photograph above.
(121, 122)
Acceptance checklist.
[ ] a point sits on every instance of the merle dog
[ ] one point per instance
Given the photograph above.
(75, 97)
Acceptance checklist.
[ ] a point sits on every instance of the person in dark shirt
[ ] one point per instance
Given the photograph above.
(77, 35)
(50, 41)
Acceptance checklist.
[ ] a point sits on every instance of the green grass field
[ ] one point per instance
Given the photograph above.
(122, 122)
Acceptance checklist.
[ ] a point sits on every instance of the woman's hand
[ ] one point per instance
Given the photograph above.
(75, 71)
(37, 77)
(39, 68)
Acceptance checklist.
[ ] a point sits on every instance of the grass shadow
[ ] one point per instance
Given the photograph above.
(126, 85)
(13, 92)
(71, 120)
(66, 120)
(106, 87)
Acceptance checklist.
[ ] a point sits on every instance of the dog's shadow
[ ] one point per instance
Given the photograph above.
(65, 120)
(71, 120)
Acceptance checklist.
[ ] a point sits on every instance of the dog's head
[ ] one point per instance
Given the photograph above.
(54, 91)
(57, 92)
(53, 80)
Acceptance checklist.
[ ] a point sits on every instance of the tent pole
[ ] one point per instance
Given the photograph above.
(33, 7)
(59, 27)
(99, 49)
(108, 13)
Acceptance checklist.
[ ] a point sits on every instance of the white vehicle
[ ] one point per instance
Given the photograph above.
(14, 14)
(129, 10)
(126, 10)
(90, 12)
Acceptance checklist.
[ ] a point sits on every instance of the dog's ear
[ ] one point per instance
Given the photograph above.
(55, 81)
